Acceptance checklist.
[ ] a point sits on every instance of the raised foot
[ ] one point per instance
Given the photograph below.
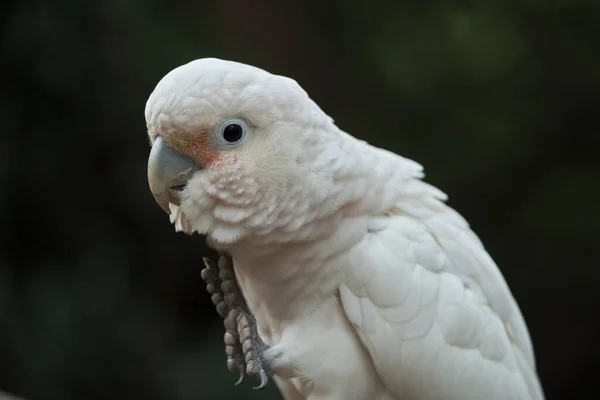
(244, 348)
(253, 347)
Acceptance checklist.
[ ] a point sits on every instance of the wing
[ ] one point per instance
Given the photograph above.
(434, 311)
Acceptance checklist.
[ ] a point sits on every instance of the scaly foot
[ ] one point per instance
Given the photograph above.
(240, 324)
(235, 357)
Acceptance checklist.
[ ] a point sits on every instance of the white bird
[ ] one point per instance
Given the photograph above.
(363, 283)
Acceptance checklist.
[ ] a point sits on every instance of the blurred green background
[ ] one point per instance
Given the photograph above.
(100, 299)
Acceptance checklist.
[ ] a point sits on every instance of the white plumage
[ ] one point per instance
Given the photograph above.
(363, 280)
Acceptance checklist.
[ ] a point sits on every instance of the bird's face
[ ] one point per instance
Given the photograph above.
(225, 139)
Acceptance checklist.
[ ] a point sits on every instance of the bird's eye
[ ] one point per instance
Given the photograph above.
(232, 132)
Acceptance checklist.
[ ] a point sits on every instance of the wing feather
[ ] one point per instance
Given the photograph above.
(434, 311)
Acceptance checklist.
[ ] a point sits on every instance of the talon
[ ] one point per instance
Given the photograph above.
(264, 380)
(252, 348)
(208, 263)
(241, 378)
(235, 364)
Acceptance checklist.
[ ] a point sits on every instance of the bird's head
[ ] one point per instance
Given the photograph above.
(234, 150)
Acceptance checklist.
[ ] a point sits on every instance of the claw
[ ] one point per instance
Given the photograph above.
(264, 380)
(241, 378)
(253, 348)
(236, 364)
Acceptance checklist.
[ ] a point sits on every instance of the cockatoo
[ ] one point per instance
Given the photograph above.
(358, 281)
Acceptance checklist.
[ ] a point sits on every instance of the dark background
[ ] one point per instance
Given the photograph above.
(100, 299)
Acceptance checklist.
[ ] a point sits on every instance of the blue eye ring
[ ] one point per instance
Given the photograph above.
(232, 132)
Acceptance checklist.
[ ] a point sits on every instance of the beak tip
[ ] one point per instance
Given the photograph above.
(163, 201)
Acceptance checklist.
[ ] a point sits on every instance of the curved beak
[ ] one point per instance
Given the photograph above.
(168, 172)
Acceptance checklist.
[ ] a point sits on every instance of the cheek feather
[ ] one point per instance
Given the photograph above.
(200, 149)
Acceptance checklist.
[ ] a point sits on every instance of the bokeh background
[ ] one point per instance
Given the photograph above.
(100, 299)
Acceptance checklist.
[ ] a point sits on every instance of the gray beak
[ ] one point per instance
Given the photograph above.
(168, 169)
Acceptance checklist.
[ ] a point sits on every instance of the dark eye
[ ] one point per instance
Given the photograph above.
(232, 133)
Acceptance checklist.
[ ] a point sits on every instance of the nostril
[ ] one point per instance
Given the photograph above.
(178, 188)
